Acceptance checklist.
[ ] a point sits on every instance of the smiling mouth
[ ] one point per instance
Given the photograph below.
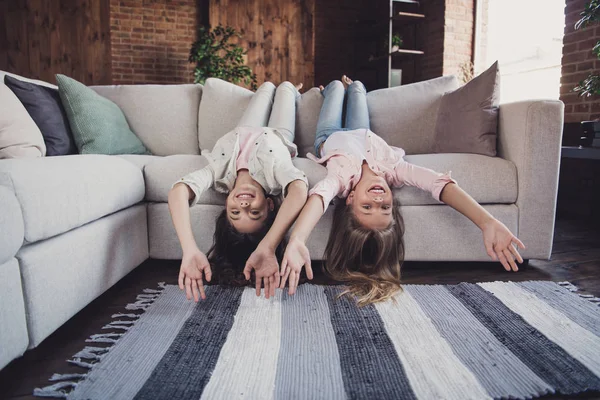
(377, 189)
(244, 196)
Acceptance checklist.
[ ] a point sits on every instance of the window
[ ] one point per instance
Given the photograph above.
(525, 36)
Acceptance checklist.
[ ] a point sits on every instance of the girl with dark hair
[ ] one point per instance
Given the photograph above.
(253, 165)
(365, 247)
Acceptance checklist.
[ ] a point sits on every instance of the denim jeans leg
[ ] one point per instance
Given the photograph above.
(283, 115)
(330, 117)
(257, 112)
(357, 111)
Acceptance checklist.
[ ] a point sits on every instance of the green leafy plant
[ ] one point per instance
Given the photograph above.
(397, 40)
(590, 15)
(215, 56)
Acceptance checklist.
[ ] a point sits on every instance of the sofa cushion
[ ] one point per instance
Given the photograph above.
(45, 108)
(57, 194)
(98, 124)
(405, 116)
(488, 180)
(13, 326)
(164, 117)
(162, 173)
(139, 160)
(467, 120)
(11, 225)
(222, 106)
(308, 108)
(19, 135)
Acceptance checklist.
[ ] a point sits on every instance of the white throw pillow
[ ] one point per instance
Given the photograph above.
(19, 135)
(405, 116)
(221, 107)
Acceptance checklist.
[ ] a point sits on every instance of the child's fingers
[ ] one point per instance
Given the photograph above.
(515, 252)
(181, 278)
(208, 273)
(502, 259)
(490, 251)
(309, 271)
(247, 270)
(201, 287)
(258, 285)
(195, 290)
(276, 280)
(284, 273)
(293, 282)
(272, 285)
(518, 242)
(188, 288)
(267, 287)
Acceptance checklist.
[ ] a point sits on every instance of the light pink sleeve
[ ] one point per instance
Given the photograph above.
(421, 177)
(328, 188)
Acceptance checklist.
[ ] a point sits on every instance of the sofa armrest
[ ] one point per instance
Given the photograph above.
(530, 135)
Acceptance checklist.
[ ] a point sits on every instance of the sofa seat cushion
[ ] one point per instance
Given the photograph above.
(11, 225)
(162, 173)
(489, 180)
(139, 160)
(58, 194)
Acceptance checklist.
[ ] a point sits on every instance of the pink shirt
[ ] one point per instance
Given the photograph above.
(247, 139)
(344, 152)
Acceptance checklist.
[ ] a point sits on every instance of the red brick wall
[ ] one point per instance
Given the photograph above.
(458, 35)
(577, 63)
(151, 40)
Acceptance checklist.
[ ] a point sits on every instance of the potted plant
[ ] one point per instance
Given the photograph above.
(591, 14)
(590, 86)
(215, 56)
(396, 42)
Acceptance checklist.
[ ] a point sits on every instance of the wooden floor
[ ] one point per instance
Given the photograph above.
(575, 258)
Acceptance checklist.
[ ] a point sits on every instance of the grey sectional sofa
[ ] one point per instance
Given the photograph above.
(72, 226)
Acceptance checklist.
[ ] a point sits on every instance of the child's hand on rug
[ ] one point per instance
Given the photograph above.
(193, 265)
(295, 257)
(266, 269)
(500, 244)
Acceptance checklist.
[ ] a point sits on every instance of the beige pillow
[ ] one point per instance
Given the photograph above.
(308, 108)
(19, 135)
(221, 107)
(467, 120)
(404, 116)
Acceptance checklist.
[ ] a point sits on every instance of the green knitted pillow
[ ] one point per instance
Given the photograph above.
(98, 124)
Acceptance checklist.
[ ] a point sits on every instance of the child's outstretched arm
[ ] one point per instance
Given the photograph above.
(194, 263)
(497, 238)
(296, 254)
(263, 259)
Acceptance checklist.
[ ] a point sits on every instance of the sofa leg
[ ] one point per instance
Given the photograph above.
(524, 265)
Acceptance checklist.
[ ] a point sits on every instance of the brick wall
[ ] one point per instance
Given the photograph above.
(151, 40)
(446, 37)
(458, 35)
(577, 63)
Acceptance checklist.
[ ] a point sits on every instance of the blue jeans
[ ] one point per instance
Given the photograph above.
(330, 118)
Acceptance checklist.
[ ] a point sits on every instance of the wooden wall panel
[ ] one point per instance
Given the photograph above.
(40, 38)
(278, 34)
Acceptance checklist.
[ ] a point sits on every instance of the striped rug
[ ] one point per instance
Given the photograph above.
(466, 341)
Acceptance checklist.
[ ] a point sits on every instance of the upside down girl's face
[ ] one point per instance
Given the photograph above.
(371, 201)
(248, 207)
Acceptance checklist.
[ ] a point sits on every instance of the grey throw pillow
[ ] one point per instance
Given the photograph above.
(467, 120)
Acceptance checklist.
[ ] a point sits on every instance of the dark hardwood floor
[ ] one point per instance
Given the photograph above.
(575, 258)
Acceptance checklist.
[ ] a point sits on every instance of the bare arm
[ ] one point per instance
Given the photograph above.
(310, 215)
(288, 212)
(179, 206)
(497, 238)
(194, 264)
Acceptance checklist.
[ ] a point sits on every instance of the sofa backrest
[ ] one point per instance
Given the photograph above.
(164, 117)
(405, 116)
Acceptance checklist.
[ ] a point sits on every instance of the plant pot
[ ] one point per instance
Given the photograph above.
(395, 48)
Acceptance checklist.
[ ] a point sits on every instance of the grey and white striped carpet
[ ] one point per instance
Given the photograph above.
(466, 341)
